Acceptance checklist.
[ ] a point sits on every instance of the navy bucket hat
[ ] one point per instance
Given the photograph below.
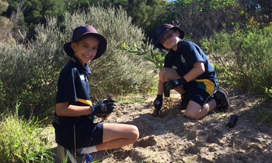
(81, 31)
(161, 31)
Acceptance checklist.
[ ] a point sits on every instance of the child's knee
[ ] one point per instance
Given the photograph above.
(192, 115)
(134, 133)
(162, 76)
(168, 74)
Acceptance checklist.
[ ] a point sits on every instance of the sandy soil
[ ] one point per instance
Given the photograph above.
(173, 138)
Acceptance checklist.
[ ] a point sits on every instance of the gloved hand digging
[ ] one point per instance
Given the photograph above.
(158, 104)
(172, 84)
(104, 108)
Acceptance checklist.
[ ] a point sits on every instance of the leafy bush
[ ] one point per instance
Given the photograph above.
(152, 55)
(30, 72)
(245, 57)
(23, 141)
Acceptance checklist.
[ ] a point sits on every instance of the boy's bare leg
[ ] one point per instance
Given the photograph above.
(195, 111)
(117, 135)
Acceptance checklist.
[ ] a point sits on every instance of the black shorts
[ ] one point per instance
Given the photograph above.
(90, 135)
(195, 92)
(79, 135)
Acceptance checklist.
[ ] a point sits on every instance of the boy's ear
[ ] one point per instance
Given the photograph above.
(73, 46)
(177, 32)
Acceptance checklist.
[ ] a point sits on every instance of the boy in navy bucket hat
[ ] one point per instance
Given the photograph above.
(73, 119)
(80, 32)
(188, 71)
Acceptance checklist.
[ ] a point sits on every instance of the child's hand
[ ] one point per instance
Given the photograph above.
(104, 107)
(172, 84)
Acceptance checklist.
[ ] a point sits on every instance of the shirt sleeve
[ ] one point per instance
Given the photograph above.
(193, 54)
(67, 87)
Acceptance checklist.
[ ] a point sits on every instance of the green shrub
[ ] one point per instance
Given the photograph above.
(146, 50)
(244, 58)
(219, 51)
(29, 73)
(23, 141)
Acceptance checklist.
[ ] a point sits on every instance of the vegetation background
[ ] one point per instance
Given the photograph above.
(236, 34)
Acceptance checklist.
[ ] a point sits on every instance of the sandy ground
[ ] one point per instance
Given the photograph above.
(174, 139)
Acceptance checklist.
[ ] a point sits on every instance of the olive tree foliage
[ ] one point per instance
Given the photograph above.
(260, 10)
(5, 23)
(143, 12)
(30, 72)
(34, 12)
(201, 18)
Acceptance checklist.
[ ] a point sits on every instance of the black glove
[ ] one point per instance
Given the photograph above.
(158, 102)
(104, 107)
(172, 84)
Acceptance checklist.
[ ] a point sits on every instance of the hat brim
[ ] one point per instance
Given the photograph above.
(102, 47)
(157, 42)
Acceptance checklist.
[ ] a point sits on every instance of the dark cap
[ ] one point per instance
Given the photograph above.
(161, 31)
(81, 31)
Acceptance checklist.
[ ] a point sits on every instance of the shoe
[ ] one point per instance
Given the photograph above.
(183, 104)
(88, 159)
(222, 95)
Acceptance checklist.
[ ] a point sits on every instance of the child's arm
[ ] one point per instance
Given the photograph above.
(64, 109)
(103, 107)
(197, 70)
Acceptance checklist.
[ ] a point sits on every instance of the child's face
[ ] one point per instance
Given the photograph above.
(85, 49)
(170, 39)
